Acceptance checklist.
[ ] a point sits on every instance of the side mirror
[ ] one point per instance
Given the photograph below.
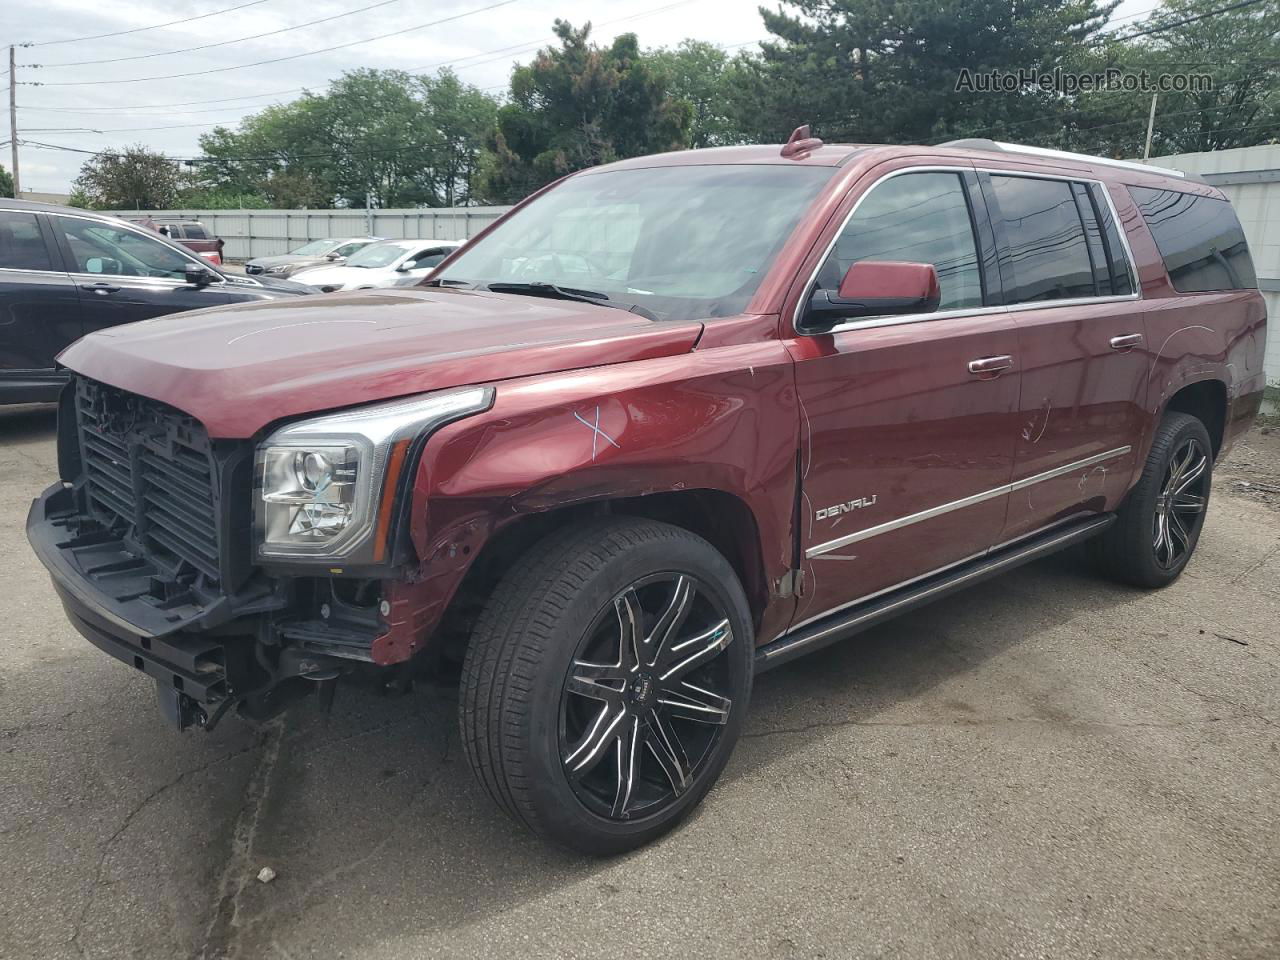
(876, 288)
(107, 265)
(333, 256)
(406, 266)
(197, 275)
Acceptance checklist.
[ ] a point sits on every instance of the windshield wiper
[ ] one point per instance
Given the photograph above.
(542, 289)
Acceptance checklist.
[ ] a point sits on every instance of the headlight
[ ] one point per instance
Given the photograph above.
(278, 268)
(325, 488)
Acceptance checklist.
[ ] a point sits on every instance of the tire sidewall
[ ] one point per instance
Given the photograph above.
(1172, 434)
(560, 812)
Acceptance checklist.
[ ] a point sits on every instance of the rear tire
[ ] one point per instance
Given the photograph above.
(1158, 527)
(607, 681)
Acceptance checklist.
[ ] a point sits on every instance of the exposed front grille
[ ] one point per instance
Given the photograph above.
(150, 468)
(252, 268)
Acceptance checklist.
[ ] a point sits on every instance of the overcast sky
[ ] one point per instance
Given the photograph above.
(115, 114)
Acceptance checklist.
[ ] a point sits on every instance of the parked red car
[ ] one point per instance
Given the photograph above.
(192, 234)
(667, 423)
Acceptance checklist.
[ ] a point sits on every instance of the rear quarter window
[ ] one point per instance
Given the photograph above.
(1200, 240)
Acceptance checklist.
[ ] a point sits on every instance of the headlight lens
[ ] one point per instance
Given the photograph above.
(278, 268)
(324, 487)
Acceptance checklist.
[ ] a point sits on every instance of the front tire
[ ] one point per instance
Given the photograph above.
(1158, 527)
(607, 681)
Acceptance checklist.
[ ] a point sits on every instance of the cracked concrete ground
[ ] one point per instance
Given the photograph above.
(1045, 766)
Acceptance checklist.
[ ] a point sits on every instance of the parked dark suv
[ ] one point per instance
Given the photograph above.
(666, 424)
(67, 272)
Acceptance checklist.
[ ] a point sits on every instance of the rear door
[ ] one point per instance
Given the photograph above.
(39, 307)
(125, 274)
(907, 449)
(1071, 293)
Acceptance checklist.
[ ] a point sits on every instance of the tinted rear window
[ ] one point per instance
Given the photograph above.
(1200, 239)
(21, 245)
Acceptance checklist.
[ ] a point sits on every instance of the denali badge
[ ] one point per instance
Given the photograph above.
(847, 507)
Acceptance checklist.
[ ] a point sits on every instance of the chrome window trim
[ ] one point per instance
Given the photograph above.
(890, 525)
(47, 273)
(894, 320)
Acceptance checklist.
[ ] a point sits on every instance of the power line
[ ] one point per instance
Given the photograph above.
(221, 43)
(259, 63)
(154, 26)
(1161, 28)
(444, 63)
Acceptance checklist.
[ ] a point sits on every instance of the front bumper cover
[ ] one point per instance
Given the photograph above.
(117, 601)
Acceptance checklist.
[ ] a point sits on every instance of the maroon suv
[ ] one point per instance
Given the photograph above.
(667, 423)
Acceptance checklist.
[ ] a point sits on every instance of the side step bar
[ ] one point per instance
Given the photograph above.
(845, 623)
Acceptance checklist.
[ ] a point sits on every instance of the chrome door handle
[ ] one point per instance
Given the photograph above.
(1126, 342)
(102, 288)
(990, 365)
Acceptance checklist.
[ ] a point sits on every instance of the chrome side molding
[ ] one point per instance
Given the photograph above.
(818, 549)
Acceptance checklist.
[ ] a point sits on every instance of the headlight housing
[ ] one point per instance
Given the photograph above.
(324, 488)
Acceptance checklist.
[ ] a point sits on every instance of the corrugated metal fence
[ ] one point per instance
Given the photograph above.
(265, 233)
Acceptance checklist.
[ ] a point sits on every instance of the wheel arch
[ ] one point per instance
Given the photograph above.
(720, 517)
(1207, 401)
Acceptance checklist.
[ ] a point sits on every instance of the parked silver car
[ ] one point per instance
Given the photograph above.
(392, 263)
(334, 250)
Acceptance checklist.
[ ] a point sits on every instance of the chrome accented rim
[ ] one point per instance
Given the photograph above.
(1180, 504)
(646, 697)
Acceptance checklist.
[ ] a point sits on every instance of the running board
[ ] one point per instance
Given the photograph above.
(846, 623)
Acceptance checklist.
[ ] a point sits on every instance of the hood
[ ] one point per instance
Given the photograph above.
(280, 285)
(339, 274)
(242, 367)
(285, 258)
(272, 261)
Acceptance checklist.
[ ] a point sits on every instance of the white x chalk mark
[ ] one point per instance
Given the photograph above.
(596, 432)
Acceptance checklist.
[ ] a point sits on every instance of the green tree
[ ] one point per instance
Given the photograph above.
(385, 135)
(1237, 50)
(135, 178)
(6, 183)
(704, 76)
(579, 105)
(887, 70)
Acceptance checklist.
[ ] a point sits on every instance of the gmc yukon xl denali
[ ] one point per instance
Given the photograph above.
(666, 424)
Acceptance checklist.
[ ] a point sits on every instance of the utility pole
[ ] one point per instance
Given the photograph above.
(1151, 125)
(13, 117)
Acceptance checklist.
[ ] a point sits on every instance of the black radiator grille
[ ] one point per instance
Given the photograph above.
(149, 467)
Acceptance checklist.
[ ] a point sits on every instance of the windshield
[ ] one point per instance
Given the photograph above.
(377, 255)
(315, 248)
(683, 242)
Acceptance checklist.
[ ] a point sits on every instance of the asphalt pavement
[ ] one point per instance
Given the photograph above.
(1048, 765)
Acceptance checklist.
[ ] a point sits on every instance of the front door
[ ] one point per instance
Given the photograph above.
(907, 422)
(39, 309)
(125, 274)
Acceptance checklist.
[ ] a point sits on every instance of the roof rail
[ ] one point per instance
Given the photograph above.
(982, 143)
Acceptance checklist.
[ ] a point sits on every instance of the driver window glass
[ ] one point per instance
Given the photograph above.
(915, 217)
(348, 249)
(104, 249)
(21, 245)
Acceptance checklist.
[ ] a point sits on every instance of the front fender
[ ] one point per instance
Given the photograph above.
(723, 419)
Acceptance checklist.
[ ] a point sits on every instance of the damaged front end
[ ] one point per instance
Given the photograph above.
(155, 551)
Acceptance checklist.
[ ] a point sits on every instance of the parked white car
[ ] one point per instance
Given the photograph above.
(391, 263)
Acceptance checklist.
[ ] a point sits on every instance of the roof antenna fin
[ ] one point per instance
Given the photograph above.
(800, 143)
